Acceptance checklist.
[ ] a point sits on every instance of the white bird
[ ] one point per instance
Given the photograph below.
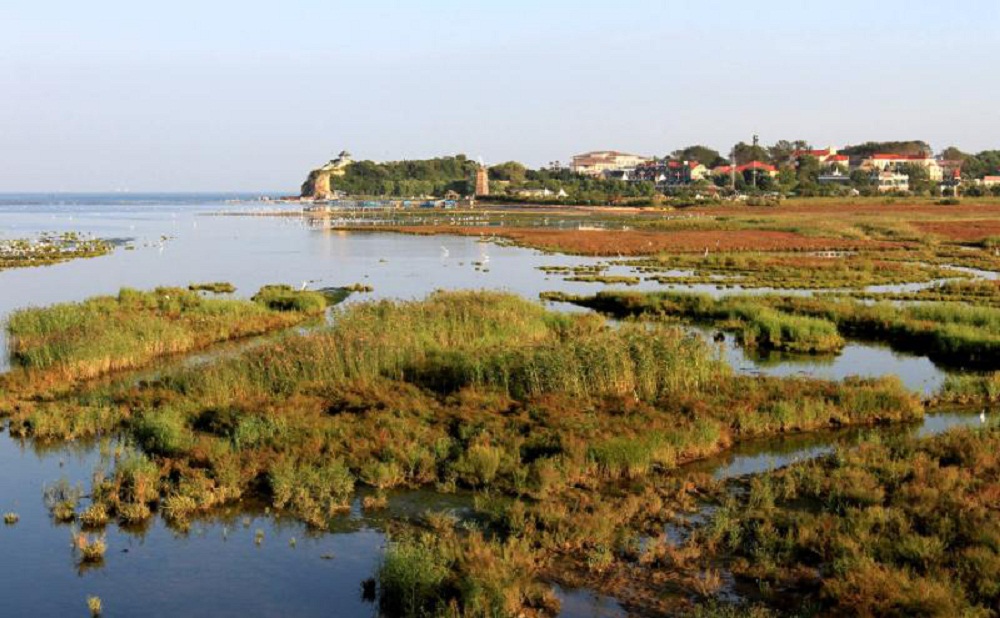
(444, 251)
(304, 285)
(982, 416)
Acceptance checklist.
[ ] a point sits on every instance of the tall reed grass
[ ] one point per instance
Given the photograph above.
(457, 340)
(109, 333)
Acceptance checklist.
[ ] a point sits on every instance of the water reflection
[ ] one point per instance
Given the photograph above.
(214, 567)
(918, 373)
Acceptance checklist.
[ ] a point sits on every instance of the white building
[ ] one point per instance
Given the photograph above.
(891, 182)
(540, 193)
(599, 161)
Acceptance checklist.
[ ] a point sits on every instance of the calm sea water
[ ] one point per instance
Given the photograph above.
(216, 569)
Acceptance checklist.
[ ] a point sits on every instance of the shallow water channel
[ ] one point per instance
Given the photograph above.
(216, 568)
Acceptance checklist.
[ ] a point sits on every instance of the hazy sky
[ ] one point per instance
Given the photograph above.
(212, 94)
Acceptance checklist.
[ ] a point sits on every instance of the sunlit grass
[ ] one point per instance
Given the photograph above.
(110, 333)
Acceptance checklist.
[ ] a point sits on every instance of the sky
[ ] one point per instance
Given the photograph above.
(111, 95)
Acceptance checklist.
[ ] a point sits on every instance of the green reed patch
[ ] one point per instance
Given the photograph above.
(286, 298)
(956, 333)
(756, 323)
(448, 573)
(971, 388)
(109, 333)
(215, 287)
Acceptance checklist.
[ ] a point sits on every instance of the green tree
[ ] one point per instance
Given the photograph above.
(511, 171)
(863, 182)
(406, 178)
(782, 150)
(951, 153)
(986, 163)
(910, 147)
(808, 170)
(920, 182)
(787, 181)
(745, 153)
(708, 157)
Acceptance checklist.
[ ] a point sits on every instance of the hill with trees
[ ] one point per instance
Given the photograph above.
(408, 178)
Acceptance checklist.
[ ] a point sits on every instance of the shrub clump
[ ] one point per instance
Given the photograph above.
(446, 573)
(285, 298)
(313, 491)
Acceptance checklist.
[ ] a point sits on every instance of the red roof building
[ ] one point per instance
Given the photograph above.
(758, 166)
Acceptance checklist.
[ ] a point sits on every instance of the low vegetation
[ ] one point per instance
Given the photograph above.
(789, 271)
(756, 323)
(903, 528)
(50, 249)
(954, 333)
(89, 548)
(644, 242)
(979, 292)
(216, 287)
(110, 333)
(606, 279)
(444, 572)
(971, 388)
(285, 298)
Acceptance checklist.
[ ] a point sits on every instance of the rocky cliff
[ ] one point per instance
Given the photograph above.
(319, 184)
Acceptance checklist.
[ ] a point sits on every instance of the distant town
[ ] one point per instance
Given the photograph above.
(785, 168)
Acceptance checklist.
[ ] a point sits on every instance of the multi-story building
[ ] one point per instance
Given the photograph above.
(597, 162)
(890, 182)
(895, 163)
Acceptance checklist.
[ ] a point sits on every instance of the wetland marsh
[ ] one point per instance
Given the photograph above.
(440, 442)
